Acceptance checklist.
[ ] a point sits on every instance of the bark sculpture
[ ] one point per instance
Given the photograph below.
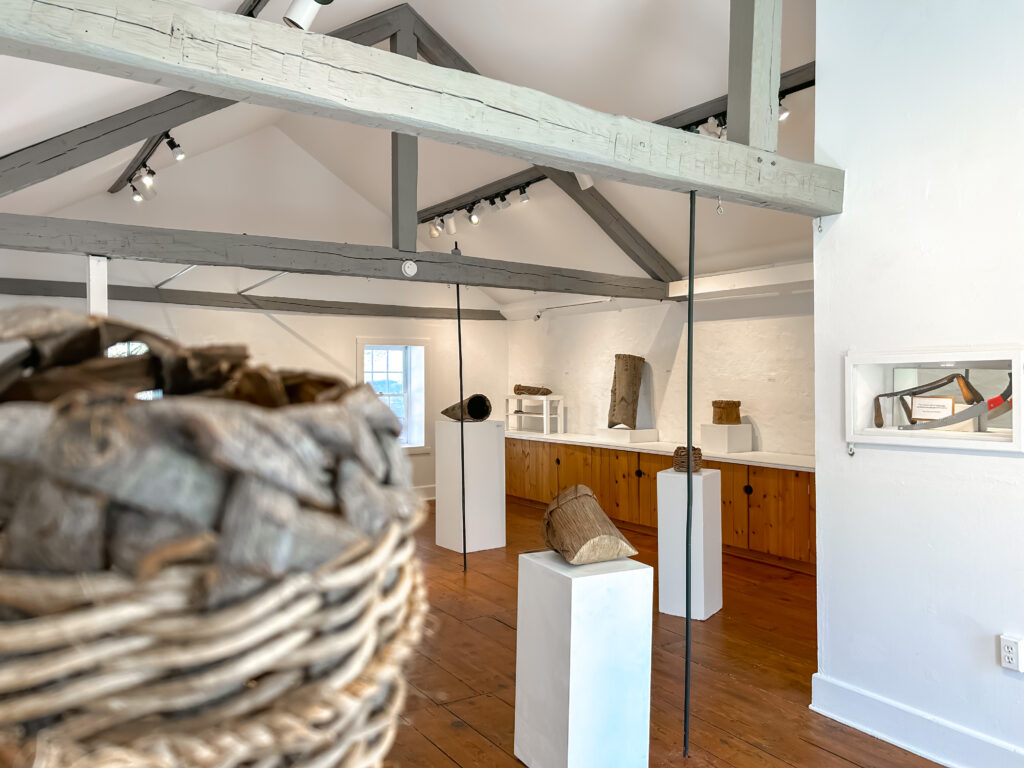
(526, 389)
(577, 528)
(625, 391)
(473, 408)
(181, 573)
(725, 412)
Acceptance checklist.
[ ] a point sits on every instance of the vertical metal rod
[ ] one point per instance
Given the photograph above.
(462, 424)
(689, 464)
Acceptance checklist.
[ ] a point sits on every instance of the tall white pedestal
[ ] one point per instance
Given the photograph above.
(485, 485)
(726, 438)
(706, 574)
(583, 663)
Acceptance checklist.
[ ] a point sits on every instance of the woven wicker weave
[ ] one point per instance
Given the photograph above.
(680, 458)
(257, 590)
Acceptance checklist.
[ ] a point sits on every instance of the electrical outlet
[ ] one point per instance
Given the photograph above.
(1009, 653)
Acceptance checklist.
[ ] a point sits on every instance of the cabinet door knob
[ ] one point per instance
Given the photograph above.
(639, 473)
(558, 461)
(748, 490)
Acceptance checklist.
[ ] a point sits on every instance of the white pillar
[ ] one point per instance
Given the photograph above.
(706, 573)
(96, 286)
(583, 663)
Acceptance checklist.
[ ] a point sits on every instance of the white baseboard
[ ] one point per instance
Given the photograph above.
(924, 734)
(426, 492)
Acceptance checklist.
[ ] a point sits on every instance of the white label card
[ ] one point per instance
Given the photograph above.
(931, 408)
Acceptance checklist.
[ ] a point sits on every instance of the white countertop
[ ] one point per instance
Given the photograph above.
(795, 461)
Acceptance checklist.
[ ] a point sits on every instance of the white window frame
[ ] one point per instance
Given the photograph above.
(402, 341)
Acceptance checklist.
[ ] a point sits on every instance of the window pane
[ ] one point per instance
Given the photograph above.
(367, 362)
(398, 406)
(380, 359)
(396, 360)
(379, 384)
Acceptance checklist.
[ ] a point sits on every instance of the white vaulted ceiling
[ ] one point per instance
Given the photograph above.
(259, 170)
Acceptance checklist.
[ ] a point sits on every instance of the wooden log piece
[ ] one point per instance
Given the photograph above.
(526, 389)
(577, 528)
(725, 412)
(625, 391)
(475, 407)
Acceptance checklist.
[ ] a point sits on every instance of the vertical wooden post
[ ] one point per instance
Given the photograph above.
(755, 65)
(96, 285)
(404, 165)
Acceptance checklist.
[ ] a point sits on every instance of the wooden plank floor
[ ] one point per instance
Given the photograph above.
(751, 676)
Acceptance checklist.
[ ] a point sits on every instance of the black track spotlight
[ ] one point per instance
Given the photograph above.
(301, 13)
(175, 147)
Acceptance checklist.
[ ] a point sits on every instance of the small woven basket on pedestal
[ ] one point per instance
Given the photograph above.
(221, 579)
(681, 457)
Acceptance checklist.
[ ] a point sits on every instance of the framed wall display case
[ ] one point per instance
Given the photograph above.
(954, 399)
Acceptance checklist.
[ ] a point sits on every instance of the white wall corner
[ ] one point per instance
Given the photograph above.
(914, 730)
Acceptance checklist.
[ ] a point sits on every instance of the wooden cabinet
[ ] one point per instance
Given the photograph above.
(764, 509)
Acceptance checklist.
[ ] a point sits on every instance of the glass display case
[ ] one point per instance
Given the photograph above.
(952, 399)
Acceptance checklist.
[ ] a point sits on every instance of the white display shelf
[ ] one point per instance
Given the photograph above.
(551, 413)
(988, 369)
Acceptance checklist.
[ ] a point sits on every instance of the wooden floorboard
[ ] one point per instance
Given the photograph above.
(751, 682)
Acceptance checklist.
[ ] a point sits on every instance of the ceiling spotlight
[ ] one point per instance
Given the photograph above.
(584, 180)
(300, 13)
(146, 176)
(142, 185)
(472, 215)
(432, 230)
(503, 202)
(136, 195)
(438, 225)
(175, 147)
(783, 111)
(523, 196)
(449, 224)
(492, 205)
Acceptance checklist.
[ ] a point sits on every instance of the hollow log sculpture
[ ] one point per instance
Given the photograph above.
(682, 457)
(725, 412)
(577, 528)
(473, 408)
(526, 389)
(625, 391)
(178, 574)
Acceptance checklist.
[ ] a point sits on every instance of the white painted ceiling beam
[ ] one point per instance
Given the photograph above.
(755, 67)
(178, 44)
(749, 282)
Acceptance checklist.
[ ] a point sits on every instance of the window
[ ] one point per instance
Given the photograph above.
(131, 349)
(395, 371)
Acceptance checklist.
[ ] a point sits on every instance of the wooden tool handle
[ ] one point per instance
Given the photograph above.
(878, 413)
(971, 395)
(908, 410)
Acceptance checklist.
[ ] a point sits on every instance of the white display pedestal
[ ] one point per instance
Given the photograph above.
(706, 574)
(583, 663)
(726, 438)
(617, 435)
(485, 485)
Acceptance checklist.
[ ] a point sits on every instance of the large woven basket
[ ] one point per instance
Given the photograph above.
(194, 581)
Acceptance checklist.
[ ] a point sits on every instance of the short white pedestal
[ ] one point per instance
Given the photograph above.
(583, 663)
(726, 438)
(706, 574)
(616, 435)
(485, 485)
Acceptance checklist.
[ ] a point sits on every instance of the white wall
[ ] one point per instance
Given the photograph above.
(764, 361)
(919, 552)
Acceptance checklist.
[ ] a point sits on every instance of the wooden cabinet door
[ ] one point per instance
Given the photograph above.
(515, 467)
(540, 471)
(813, 511)
(781, 517)
(650, 464)
(735, 508)
(572, 466)
(615, 483)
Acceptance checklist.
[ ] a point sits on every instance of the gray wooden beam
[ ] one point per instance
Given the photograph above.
(174, 246)
(30, 165)
(368, 31)
(404, 163)
(793, 80)
(616, 226)
(70, 290)
(755, 50)
(52, 157)
(435, 49)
